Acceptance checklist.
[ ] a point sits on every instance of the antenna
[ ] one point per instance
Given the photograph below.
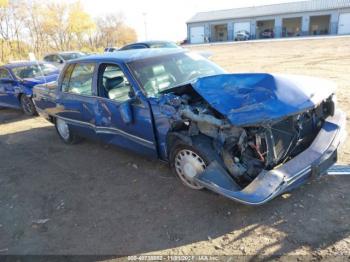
(32, 58)
(145, 23)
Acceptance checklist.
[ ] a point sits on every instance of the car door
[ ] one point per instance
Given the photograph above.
(116, 95)
(8, 96)
(76, 102)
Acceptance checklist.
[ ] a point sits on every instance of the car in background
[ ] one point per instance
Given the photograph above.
(184, 42)
(242, 35)
(111, 49)
(267, 33)
(17, 81)
(60, 58)
(150, 44)
(249, 137)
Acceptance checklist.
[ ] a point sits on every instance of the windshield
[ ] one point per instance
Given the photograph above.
(34, 71)
(163, 45)
(161, 73)
(70, 56)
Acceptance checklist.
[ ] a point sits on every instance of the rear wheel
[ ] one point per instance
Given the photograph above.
(65, 133)
(28, 106)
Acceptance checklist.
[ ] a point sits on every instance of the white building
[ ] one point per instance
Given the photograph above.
(313, 17)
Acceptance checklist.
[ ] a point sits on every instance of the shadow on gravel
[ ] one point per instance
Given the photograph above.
(103, 200)
(11, 115)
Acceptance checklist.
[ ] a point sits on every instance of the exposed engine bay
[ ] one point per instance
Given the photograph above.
(244, 150)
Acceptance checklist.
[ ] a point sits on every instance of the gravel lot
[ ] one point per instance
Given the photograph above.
(96, 199)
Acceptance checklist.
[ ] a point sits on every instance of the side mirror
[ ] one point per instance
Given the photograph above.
(131, 94)
(126, 112)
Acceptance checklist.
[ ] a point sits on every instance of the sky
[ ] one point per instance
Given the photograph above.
(165, 20)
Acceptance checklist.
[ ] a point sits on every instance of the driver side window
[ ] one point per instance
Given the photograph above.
(113, 84)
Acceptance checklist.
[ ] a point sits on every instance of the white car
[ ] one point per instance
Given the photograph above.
(242, 35)
(60, 58)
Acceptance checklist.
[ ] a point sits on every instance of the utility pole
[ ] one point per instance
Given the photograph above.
(145, 22)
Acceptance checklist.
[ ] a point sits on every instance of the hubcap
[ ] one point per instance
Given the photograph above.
(187, 165)
(62, 129)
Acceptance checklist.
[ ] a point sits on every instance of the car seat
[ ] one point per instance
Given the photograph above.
(160, 80)
(117, 89)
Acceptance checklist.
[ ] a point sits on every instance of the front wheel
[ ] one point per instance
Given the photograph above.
(187, 162)
(28, 106)
(65, 133)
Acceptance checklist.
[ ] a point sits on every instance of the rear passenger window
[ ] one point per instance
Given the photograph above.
(77, 79)
(66, 77)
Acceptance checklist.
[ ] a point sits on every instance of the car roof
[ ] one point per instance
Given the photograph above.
(63, 52)
(19, 64)
(151, 42)
(129, 55)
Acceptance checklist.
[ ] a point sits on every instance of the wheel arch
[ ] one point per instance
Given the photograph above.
(174, 138)
(23, 92)
(201, 142)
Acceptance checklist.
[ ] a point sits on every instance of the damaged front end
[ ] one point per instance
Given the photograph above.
(259, 159)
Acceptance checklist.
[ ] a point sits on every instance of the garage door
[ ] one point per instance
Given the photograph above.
(344, 24)
(241, 26)
(197, 34)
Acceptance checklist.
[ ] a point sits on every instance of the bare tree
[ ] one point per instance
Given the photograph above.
(30, 25)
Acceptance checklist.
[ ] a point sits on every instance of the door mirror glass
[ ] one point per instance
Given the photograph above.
(125, 110)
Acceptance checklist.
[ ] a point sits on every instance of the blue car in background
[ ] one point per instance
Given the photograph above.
(17, 81)
(248, 137)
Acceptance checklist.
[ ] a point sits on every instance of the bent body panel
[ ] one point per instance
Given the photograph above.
(315, 160)
(254, 99)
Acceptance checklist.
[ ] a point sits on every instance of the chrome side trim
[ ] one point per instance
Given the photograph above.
(109, 130)
(116, 131)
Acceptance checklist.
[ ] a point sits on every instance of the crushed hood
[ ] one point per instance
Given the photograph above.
(251, 99)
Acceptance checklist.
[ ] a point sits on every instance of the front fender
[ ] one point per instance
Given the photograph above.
(19, 90)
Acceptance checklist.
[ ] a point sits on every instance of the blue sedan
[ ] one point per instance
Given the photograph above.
(17, 81)
(248, 137)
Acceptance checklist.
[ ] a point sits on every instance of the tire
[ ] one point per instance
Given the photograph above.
(187, 161)
(65, 133)
(28, 106)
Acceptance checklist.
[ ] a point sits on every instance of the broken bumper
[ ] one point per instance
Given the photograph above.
(314, 161)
